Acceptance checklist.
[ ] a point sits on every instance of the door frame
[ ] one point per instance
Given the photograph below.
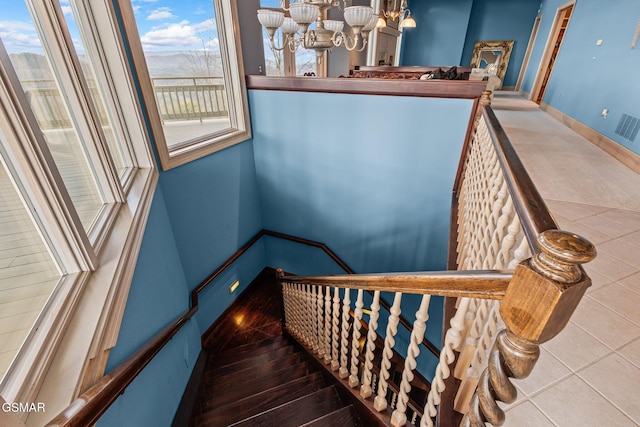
(527, 54)
(548, 50)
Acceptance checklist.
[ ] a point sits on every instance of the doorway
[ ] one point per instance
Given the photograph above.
(558, 30)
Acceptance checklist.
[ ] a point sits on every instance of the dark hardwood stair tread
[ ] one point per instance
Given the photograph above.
(214, 369)
(297, 412)
(246, 350)
(251, 373)
(344, 417)
(261, 402)
(218, 398)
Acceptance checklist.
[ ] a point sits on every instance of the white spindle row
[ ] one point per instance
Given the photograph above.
(324, 325)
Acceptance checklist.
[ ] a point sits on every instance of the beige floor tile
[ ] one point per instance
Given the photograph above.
(623, 251)
(604, 324)
(607, 226)
(624, 217)
(526, 414)
(632, 282)
(632, 352)
(594, 236)
(573, 403)
(632, 239)
(548, 370)
(619, 381)
(597, 279)
(620, 299)
(576, 348)
(611, 267)
(573, 211)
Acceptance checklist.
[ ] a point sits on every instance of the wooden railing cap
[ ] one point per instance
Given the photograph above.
(561, 254)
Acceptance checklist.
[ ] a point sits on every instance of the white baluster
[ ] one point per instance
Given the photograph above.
(399, 416)
(471, 342)
(328, 322)
(321, 324)
(452, 340)
(335, 354)
(313, 319)
(343, 372)
(380, 401)
(354, 381)
(366, 390)
(479, 361)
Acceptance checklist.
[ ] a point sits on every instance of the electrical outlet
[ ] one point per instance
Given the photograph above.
(605, 113)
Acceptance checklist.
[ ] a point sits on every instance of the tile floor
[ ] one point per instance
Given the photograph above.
(589, 375)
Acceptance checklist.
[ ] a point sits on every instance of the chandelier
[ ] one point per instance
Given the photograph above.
(395, 11)
(326, 34)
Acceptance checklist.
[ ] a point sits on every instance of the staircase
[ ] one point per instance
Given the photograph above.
(267, 383)
(251, 374)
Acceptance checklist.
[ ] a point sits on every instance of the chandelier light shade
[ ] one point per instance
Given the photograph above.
(332, 25)
(327, 34)
(408, 22)
(304, 14)
(357, 16)
(271, 20)
(289, 26)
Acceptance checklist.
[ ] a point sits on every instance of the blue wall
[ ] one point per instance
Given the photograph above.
(214, 208)
(588, 78)
(375, 186)
(438, 38)
(447, 31)
(373, 182)
(201, 214)
(158, 295)
(502, 20)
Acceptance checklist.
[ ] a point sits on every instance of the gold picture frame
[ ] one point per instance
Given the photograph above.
(498, 49)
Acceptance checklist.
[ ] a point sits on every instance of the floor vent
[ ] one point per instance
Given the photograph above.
(628, 127)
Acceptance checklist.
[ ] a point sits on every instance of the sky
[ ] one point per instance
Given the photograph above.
(164, 25)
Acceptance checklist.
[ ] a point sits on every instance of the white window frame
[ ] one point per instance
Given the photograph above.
(68, 350)
(233, 72)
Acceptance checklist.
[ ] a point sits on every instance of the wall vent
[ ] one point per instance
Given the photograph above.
(628, 127)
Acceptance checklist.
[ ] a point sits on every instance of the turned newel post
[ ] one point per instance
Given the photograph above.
(541, 297)
(485, 99)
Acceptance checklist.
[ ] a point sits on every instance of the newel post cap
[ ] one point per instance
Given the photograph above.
(546, 289)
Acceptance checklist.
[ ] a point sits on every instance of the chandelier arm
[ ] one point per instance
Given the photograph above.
(273, 46)
(292, 43)
(364, 44)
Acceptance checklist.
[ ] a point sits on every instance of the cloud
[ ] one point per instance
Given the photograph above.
(206, 25)
(19, 36)
(160, 13)
(174, 35)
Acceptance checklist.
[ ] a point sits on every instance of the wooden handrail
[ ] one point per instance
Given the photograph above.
(528, 202)
(90, 405)
(490, 284)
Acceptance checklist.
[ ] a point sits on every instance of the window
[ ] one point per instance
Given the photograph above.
(284, 62)
(192, 78)
(77, 178)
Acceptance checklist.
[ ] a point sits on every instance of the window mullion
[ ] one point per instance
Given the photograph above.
(39, 175)
(57, 43)
(96, 47)
(112, 49)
